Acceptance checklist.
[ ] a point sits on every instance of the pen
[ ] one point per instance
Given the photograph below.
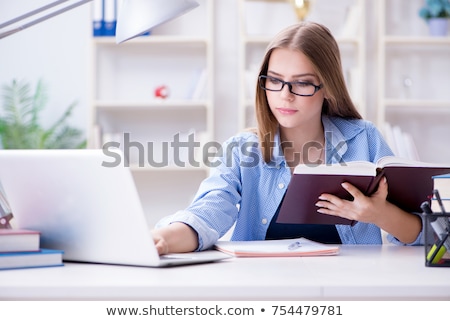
(294, 246)
(440, 227)
(437, 251)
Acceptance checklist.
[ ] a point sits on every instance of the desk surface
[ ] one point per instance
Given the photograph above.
(358, 273)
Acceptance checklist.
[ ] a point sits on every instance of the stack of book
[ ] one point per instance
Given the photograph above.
(20, 248)
(441, 184)
(104, 17)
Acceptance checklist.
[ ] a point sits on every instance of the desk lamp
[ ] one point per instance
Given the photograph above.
(136, 17)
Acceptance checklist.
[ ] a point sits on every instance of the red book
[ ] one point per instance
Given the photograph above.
(19, 240)
(410, 184)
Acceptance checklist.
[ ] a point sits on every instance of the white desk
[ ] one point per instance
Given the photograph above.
(357, 273)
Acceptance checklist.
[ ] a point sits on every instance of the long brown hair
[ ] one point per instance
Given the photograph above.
(318, 44)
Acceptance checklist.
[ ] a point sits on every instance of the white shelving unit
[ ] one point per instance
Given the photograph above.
(260, 20)
(413, 66)
(180, 56)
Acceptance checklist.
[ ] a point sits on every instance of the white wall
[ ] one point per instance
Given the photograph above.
(226, 69)
(56, 51)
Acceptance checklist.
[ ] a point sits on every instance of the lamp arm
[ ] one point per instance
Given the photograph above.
(31, 13)
(39, 20)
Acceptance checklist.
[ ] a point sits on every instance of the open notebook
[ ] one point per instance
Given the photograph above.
(276, 248)
(91, 212)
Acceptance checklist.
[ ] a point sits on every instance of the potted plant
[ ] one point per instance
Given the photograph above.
(20, 126)
(436, 13)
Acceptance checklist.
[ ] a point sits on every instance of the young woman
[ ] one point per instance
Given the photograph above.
(305, 115)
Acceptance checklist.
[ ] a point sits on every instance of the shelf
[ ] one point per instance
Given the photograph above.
(148, 40)
(413, 79)
(406, 103)
(262, 40)
(409, 40)
(163, 105)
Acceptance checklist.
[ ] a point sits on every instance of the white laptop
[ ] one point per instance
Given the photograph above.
(91, 212)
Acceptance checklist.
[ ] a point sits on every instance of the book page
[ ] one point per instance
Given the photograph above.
(349, 168)
(391, 161)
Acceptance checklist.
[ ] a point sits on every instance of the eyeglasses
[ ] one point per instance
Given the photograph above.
(298, 88)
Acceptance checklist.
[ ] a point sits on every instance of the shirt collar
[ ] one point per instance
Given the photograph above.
(337, 132)
(277, 154)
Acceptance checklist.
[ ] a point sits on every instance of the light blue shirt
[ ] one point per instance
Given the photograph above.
(244, 190)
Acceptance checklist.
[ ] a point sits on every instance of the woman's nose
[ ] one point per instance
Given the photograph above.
(286, 92)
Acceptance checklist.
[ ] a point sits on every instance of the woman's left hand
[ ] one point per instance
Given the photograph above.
(362, 208)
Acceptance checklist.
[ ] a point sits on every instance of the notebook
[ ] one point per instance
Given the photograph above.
(90, 211)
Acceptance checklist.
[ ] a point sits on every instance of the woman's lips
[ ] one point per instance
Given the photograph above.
(286, 111)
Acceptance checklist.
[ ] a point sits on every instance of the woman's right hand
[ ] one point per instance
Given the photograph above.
(175, 238)
(161, 245)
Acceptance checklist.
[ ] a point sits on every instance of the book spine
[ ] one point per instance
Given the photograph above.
(200, 86)
(97, 18)
(110, 19)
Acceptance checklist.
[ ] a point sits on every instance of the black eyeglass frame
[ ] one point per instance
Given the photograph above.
(289, 84)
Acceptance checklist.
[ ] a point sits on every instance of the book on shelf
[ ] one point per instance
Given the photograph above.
(390, 138)
(411, 148)
(19, 240)
(276, 248)
(352, 21)
(409, 184)
(104, 17)
(401, 143)
(109, 17)
(198, 90)
(35, 259)
(97, 18)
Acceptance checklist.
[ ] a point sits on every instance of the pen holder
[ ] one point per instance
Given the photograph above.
(437, 239)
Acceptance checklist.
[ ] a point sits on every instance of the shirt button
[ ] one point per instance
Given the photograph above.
(264, 221)
(281, 186)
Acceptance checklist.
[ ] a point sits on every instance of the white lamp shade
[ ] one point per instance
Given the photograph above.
(137, 17)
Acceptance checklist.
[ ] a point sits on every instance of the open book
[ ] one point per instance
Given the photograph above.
(409, 184)
(276, 248)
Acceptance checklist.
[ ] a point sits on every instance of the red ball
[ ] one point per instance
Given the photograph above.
(162, 92)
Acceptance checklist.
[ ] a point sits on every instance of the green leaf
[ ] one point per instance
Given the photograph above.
(20, 126)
